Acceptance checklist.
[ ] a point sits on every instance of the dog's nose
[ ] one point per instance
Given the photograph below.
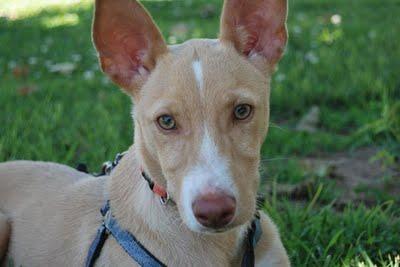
(214, 210)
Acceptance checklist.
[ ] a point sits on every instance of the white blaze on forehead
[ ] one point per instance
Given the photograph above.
(198, 73)
(210, 172)
(210, 158)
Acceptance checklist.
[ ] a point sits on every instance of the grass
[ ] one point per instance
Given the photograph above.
(349, 69)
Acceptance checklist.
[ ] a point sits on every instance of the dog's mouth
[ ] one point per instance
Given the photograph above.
(210, 231)
(217, 230)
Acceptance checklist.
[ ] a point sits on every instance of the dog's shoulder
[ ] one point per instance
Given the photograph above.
(60, 203)
(22, 180)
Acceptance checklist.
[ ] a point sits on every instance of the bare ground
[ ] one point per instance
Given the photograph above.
(357, 175)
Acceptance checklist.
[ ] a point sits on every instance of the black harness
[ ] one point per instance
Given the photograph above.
(134, 248)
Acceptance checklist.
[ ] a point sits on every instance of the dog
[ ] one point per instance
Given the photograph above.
(201, 112)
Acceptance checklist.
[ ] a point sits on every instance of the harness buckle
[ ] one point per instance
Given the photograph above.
(107, 220)
(164, 200)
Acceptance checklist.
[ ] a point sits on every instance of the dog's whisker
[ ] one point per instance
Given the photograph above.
(276, 159)
(273, 125)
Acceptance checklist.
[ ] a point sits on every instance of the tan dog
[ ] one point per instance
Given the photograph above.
(201, 114)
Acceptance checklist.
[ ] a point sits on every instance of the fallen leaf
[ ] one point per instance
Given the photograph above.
(76, 57)
(308, 123)
(63, 68)
(27, 90)
(180, 31)
(20, 71)
(88, 75)
(311, 57)
(32, 61)
(336, 19)
(208, 11)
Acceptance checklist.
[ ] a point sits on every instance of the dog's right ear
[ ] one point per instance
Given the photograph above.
(128, 42)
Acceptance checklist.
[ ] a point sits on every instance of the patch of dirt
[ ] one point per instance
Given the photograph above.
(359, 169)
(356, 174)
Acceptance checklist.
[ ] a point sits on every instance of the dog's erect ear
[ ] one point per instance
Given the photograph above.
(257, 29)
(128, 42)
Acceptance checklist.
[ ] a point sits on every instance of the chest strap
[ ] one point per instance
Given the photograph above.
(253, 236)
(125, 239)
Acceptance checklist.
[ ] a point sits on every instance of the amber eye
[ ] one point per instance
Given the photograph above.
(242, 111)
(166, 122)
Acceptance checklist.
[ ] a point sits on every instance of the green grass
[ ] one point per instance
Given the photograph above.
(349, 70)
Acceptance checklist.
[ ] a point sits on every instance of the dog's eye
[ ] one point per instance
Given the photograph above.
(166, 122)
(242, 111)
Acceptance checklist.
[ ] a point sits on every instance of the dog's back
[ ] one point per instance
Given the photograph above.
(26, 181)
(33, 199)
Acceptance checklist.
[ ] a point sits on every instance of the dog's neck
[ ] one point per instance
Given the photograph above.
(139, 210)
(131, 198)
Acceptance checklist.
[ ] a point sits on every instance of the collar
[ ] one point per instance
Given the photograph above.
(109, 166)
(156, 188)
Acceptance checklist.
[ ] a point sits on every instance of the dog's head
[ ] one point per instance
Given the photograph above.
(201, 108)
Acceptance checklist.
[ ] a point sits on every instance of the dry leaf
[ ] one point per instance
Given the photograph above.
(20, 71)
(63, 68)
(27, 90)
(309, 121)
(208, 11)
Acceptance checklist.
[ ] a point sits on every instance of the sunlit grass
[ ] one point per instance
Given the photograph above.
(68, 19)
(390, 261)
(18, 9)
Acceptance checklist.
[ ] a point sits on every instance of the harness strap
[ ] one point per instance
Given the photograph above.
(125, 239)
(96, 246)
(252, 238)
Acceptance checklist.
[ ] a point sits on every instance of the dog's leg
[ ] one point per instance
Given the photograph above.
(270, 251)
(4, 235)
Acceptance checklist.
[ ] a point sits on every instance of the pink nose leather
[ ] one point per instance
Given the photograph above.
(214, 210)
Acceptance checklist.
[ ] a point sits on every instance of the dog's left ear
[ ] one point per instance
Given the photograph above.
(257, 29)
(128, 42)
